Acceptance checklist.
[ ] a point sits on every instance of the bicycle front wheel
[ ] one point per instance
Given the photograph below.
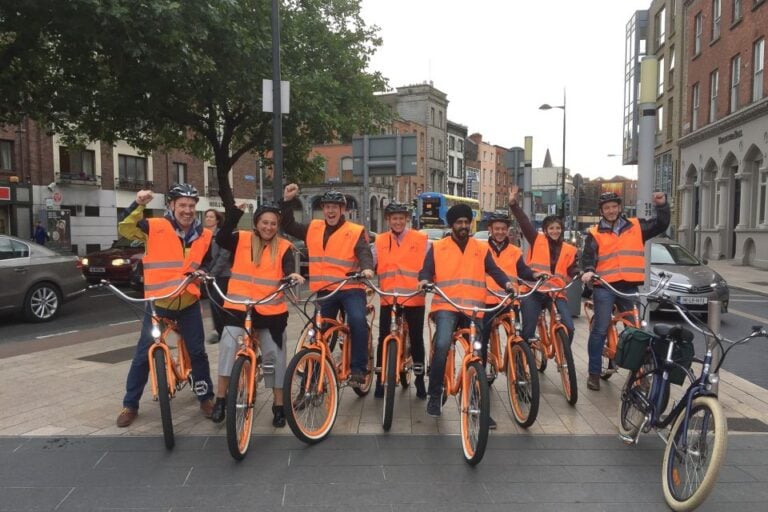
(241, 396)
(693, 457)
(311, 393)
(522, 384)
(539, 353)
(164, 397)
(364, 388)
(390, 385)
(634, 395)
(475, 413)
(565, 367)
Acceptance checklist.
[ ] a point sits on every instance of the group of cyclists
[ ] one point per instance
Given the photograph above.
(466, 269)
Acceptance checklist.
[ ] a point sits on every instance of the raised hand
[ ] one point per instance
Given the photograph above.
(513, 191)
(144, 196)
(291, 191)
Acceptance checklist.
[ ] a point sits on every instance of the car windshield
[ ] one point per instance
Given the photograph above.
(123, 243)
(433, 233)
(481, 235)
(671, 254)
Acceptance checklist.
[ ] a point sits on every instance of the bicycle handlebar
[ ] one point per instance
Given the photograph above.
(664, 279)
(570, 283)
(534, 287)
(285, 283)
(433, 288)
(187, 280)
(396, 295)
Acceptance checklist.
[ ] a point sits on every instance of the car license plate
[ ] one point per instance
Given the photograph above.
(97, 270)
(692, 300)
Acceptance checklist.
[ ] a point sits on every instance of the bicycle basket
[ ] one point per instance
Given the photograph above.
(632, 347)
(682, 354)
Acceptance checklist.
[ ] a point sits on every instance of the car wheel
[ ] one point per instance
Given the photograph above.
(42, 302)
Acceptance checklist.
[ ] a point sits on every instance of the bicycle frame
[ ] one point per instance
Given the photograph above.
(506, 321)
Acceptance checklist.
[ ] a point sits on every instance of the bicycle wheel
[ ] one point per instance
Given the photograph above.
(566, 368)
(309, 411)
(405, 375)
(390, 385)
(475, 413)
(522, 384)
(691, 466)
(607, 365)
(164, 397)
(539, 354)
(239, 415)
(365, 387)
(636, 392)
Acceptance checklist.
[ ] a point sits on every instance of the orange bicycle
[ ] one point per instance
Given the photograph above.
(167, 375)
(619, 320)
(246, 373)
(313, 377)
(553, 342)
(396, 360)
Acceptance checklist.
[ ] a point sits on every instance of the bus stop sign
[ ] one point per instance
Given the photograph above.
(386, 155)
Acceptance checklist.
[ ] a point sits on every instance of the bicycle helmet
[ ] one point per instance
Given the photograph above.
(333, 197)
(178, 190)
(395, 207)
(608, 197)
(265, 208)
(499, 217)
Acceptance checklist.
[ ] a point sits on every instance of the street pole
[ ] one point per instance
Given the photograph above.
(277, 114)
(646, 105)
(527, 183)
(562, 186)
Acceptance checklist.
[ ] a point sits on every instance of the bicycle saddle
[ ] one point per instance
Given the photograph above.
(676, 332)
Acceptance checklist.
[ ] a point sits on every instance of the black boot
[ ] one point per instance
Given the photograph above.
(219, 410)
(278, 420)
(421, 390)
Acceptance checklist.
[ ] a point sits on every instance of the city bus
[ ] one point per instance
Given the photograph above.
(432, 208)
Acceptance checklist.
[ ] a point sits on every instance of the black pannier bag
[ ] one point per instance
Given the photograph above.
(632, 347)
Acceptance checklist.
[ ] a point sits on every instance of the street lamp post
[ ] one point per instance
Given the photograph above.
(547, 106)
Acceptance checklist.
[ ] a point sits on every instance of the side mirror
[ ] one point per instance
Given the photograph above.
(705, 261)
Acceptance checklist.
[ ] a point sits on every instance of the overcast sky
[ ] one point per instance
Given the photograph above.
(499, 60)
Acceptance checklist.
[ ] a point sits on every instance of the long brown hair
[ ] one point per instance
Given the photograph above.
(258, 244)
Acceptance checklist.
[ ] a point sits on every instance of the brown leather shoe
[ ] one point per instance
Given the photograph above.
(593, 382)
(126, 417)
(206, 407)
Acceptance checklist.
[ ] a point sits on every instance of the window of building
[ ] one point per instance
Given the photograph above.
(439, 150)
(716, 11)
(698, 24)
(451, 142)
(762, 214)
(6, 155)
(460, 168)
(213, 181)
(659, 120)
(179, 173)
(758, 50)
(432, 115)
(661, 71)
(451, 167)
(672, 17)
(461, 145)
(76, 163)
(92, 211)
(670, 109)
(132, 168)
(735, 80)
(735, 11)
(440, 118)
(432, 147)
(671, 78)
(695, 107)
(714, 79)
(660, 22)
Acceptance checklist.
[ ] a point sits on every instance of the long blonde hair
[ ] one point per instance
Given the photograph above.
(258, 245)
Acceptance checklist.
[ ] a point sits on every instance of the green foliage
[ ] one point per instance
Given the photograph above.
(188, 74)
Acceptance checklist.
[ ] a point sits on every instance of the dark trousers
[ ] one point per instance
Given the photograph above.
(604, 300)
(414, 317)
(353, 303)
(532, 305)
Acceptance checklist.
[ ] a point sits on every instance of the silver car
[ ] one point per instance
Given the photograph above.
(693, 283)
(35, 280)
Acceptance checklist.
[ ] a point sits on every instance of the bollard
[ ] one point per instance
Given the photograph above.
(713, 320)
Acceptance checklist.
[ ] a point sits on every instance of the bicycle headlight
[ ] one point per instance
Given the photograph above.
(155, 332)
(478, 345)
(713, 378)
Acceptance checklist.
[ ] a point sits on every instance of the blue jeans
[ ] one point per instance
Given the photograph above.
(604, 300)
(532, 305)
(445, 324)
(353, 303)
(190, 322)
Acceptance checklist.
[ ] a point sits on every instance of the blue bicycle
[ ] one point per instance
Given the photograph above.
(697, 439)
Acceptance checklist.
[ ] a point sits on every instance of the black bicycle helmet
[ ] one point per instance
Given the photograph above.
(333, 197)
(178, 190)
(609, 197)
(395, 207)
(264, 208)
(499, 217)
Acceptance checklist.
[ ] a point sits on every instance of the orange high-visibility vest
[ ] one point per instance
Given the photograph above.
(461, 275)
(332, 263)
(249, 281)
(398, 265)
(620, 257)
(507, 262)
(539, 261)
(165, 262)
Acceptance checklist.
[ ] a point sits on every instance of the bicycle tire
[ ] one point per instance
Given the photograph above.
(640, 381)
(607, 365)
(390, 385)
(364, 388)
(405, 375)
(164, 398)
(302, 401)
(522, 384)
(239, 415)
(701, 448)
(566, 367)
(540, 355)
(475, 413)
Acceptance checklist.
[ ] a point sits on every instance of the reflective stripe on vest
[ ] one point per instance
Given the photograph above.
(398, 265)
(331, 263)
(620, 257)
(255, 282)
(539, 259)
(461, 275)
(165, 261)
(507, 262)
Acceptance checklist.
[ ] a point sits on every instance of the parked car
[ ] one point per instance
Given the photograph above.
(482, 235)
(435, 233)
(113, 264)
(36, 281)
(693, 283)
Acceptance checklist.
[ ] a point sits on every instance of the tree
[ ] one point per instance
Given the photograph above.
(187, 74)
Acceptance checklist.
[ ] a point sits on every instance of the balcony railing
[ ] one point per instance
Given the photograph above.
(78, 178)
(132, 184)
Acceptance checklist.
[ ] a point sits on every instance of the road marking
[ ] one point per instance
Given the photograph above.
(55, 334)
(123, 323)
(102, 295)
(747, 300)
(748, 315)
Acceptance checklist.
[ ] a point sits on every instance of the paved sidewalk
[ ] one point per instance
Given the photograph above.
(740, 277)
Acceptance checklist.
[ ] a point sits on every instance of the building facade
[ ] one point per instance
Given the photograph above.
(457, 133)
